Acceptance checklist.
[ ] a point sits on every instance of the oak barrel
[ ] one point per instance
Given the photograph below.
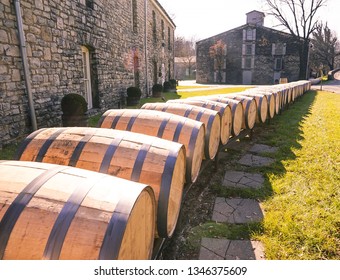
(167, 126)
(223, 109)
(237, 111)
(271, 101)
(262, 104)
(283, 80)
(249, 108)
(132, 156)
(210, 118)
(273, 92)
(49, 211)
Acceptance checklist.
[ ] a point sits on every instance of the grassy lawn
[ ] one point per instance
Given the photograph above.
(301, 196)
(302, 218)
(8, 152)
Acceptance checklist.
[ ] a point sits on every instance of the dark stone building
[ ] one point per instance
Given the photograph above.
(254, 54)
(93, 48)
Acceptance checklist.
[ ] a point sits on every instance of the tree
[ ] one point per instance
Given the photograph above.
(186, 53)
(218, 53)
(299, 17)
(325, 49)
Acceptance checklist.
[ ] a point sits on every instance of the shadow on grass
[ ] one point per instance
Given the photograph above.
(283, 132)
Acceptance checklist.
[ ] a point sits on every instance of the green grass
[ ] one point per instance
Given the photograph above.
(93, 121)
(302, 218)
(221, 230)
(8, 152)
(301, 194)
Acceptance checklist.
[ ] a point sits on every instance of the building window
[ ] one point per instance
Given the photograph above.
(87, 76)
(134, 15)
(249, 34)
(169, 39)
(136, 68)
(163, 30)
(155, 72)
(247, 62)
(279, 49)
(278, 64)
(249, 49)
(154, 26)
(89, 3)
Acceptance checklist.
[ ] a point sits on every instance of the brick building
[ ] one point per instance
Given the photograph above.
(254, 54)
(89, 47)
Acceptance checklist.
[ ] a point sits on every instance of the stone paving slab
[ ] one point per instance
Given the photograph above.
(236, 210)
(243, 180)
(260, 148)
(225, 249)
(255, 161)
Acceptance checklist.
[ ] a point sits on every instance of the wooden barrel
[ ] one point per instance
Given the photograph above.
(284, 98)
(210, 118)
(283, 80)
(289, 94)
(261, 103)
(49, 211)
(132, 156)
(275, 94)
(237, 111)
(249, 108)
(167, 126)
(270, 99)
(223, 109)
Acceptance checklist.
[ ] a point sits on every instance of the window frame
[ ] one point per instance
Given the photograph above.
(86, 68)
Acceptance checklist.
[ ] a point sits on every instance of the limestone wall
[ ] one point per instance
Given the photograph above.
(262, 65)
(55, 31)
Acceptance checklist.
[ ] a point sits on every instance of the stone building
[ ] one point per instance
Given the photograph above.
(254, 54)
(93, 48)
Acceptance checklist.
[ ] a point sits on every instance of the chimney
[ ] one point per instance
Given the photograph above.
(255, 18)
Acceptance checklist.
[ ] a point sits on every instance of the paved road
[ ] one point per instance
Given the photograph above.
(332, 86)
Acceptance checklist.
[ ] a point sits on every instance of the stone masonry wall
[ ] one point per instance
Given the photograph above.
(55, 31)
(263, 70)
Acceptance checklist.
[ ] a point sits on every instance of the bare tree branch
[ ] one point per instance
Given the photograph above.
(299, 18)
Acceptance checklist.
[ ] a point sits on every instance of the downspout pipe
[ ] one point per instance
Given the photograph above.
(23, 51)
(146, 46)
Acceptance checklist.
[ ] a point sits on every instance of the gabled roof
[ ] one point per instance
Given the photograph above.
(164, 12)
(245, 26)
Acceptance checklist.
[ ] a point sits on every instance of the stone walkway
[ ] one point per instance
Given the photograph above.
(236, 211)
(239, 211)
(225, 249)
(255, 161)
(242, 180)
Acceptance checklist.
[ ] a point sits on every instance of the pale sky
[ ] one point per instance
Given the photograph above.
(200, 19)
